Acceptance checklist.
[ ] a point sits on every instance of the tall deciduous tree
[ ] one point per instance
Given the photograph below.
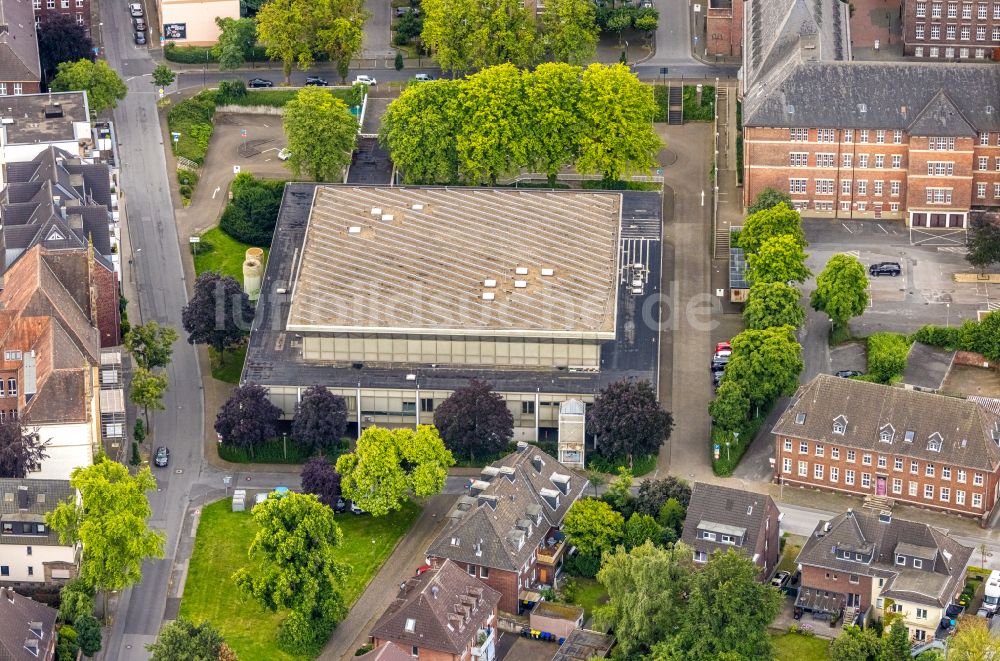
(464, 34)
(218, 314)
(896, 641)
(341, 39)
(570, 30)
(390, 464)
(494, 140)
(765, 363)
(295, 565)
(104, 87)
(147, 390)
(237, 38)
(731, 406)
(841, 289)
(552, 116)
(646, 594)
(779, 259)
(62, 39)
(768, 223)
(773, 304)
(972, 641)
(627, 421)
(420, 129)
(616, 110)
(641, 528)
(76, 599)
(150, 344)
(162, 75)
(286, 29)
(320, 478)
(984, 244)
(111, 524)
(321, 134)
(728, 612)
(248, 418)
(88, 635)
(21, 450)
(320, 418)
(653, 494)
(474, 420)
(507, 34)
(593, 527)
(183, 640)
(769, 197)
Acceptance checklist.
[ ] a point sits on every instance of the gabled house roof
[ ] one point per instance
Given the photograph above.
(27, 501)
(24, 623)
(915, 424)
(509, 510)
(441, 609)
(387, 651)
(941, 117)
(944, 559)
(19, 60)
(728, 511)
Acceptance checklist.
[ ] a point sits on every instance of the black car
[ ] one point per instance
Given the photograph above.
(885, 268)
(259, 82)
(846, 374)
(140, 38)
(719, 363)
(316, 80)
(140, 24)
(162, 457)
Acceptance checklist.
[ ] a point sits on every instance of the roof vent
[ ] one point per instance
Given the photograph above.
(387, 217)
(489, 282)
(548, 272)
(417, 207)
(376, 211)
(989, 110)
(53, 111)
(488, 296)
(520, 284)
(862, 107)
(354, 229)
(521, 270)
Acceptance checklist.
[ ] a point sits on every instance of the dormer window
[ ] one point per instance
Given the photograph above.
(840, 425)
(455, 541)
(411, 625)
(800, 418)
(918, 563)
(886, 433)
(934, 442)
(901, 560)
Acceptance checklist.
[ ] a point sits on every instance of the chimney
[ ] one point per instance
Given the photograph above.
(537, 463)
(28, 362)
(521, 446)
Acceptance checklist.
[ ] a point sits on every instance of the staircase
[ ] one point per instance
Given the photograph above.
(722, 236)
(675, 104)
(878, 504)
(849, 615)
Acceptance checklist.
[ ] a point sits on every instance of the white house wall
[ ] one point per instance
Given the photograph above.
(68, 446)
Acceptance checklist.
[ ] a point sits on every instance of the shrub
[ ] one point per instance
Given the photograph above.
(583, 565)
(251, 214)
(188, 54)
(938, 336)
(887, 356)
(231, 90)
(193, 120)
(693, 112)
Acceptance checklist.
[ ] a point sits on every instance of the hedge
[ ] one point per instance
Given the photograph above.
(693, 112)
(251, 214)
(887, 356)
(981, 337)
(202, 54)
(727, 461)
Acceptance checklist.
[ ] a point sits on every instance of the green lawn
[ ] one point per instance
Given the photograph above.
(220, 252)
(588, 593)
(229, 371)
(789, 555)
(796, 647)
(220, 549)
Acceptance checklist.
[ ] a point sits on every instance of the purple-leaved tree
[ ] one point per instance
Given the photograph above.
(320, 477)
(320, 419)
(218, 314)
(248, 418)
(627, 421)
(21, 451)
(474, 420)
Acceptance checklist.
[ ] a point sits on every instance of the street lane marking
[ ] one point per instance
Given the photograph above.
(216, 191)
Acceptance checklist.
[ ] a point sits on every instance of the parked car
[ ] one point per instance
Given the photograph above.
(162, 457)
(846, 374)
(354, 508)
(885, 268)
(780, 579)
(646, 4)
(135, 9)
(259, 82)
(140, 38)
(284, 154)
(423, 77)
(719, 363)
(403, 11)
(317, 81)
(363, 79)
(723, 346)
(140, 24)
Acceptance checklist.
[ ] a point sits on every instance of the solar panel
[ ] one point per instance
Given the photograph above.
(737, 269)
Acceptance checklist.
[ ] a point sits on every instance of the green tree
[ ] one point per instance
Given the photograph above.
(294, 564)
(856, 644)
(887, 354)
(896, 643)
(773, 304)
(984, 337)
(237, 38)
(420, 130)
(287, 30)
(984, 244)
(731, 406)
(88, 635)
(111, 524)
(646, 23)
(340, 37)
(182, 640)
(390, 464)
(641, 528)
(163, 75)
(727, 614)
(765, 363)
(593, 527)
(596, 479)
(769, 197)
(551, 115)
(398, 63)
(570, 30)
(67, 649)
(841, 289)
(671, 519)
(494, 139)
(104, 87)
(616, 113)
(768, 223)
(76, 599)
(619, 494)
(779, 259)
(972, 641)
(451, 28)
(150, 344)
(147, 390)
(646, 594)
(618, 22)
(321, 133)
(508, 34)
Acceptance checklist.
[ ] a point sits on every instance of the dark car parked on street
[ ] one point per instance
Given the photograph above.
(316, 80)
(885, 268)
(162, 457)
(139, 38)
(259, 82)
(846, 374)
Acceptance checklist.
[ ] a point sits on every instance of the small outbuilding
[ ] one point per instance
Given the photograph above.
(560, 620)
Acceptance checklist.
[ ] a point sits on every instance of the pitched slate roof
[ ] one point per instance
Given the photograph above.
(37, 497)
(387, 651)
(936, 583)
(441, 609)
(19, 59)
(24, 621)
(509, 510)
(713, 506)
(924, 99)
(968, 433)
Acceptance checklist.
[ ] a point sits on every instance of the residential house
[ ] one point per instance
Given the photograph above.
(506, 530)
(20, 66)
(442, 614)
(59, 201)
(50, 335)
(913, 447)
(27, 628)
(30, 551)
(944, 30)
(721, 518)
(864, 565)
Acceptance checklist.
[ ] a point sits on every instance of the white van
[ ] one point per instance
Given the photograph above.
(991, 595)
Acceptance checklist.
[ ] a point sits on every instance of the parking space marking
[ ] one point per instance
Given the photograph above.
(849, 230)
(879, 225)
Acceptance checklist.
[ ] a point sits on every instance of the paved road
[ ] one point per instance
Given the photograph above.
(378, 32)
(188, 79)
(162, 294)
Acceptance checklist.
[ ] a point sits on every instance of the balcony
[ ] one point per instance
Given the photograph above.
(484, 648)
(550, 554)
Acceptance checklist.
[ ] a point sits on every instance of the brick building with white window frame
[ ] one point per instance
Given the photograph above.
(78, 10)
(946, 30)
(867, 439)
(20, 66)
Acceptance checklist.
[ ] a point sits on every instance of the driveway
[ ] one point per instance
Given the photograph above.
(378, 34)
